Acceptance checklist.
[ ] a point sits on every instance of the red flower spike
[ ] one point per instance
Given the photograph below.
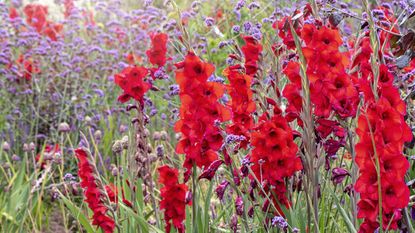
(200, 112)
(173, 198)
(157, 53)
(252, 51)
(92, 193)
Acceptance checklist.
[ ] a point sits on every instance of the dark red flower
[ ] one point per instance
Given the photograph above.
(157, 53)
(93, 194)
(173, 198)
(131, 80)
(200, 112)
(252, 51)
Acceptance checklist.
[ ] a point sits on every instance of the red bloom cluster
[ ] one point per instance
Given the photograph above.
(242, 104)
(93, 193)
(331, 88)
(251, 50)
(200, 112)
(157, 53)
(13, 13)
(283, 25)
(69, 6)
(274, 156)
(131, 80)
(36, 16)
(382, 133)
(27, 67)
(389, 130)
(173, 198)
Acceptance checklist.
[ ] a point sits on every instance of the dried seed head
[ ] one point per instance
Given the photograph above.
(64, 127)
(123, 129)
(98, 135)
(152, 158)
(163, 135)
(88, 120)
(146, 133)
(26, 147)
(15, 157)
(117, 147)
(125, 142)
(156, 136)
(32, 146)
(149, 148)
(115, 171)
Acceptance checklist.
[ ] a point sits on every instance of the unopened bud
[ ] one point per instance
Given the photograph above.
(64, 127)
(6, 146)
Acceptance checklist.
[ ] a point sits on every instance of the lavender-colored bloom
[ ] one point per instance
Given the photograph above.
(153, 112)
(174, 90)
(238, 14)
(279, 222)
(253, 5)
(231, 138)
(222, 44)
(240, 4)
(236, 29)
(160, 151)
(68, 177)
(247, 26)
(209, 21)
(15, 158)
(257, 36)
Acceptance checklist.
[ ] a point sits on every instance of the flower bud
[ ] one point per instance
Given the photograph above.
(64, 127)
(6, 146)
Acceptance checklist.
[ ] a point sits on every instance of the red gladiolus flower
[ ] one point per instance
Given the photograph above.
(251, 50)
(36, 16)
(157, 53)
(93, 195)
(69, 6)
(200, 112)
(242, 104)
(331, 88)
(131, 80)
(27, 67)
(13, 13)
(274, 156)
(173, 198)
(382, 132)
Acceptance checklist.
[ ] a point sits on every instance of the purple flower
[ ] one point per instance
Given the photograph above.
(240, 4)
(253, 5)
(338, 175)
(231, 138)
(209, 21)
(279, 222)
(247, 26)
(220, 189)
(239, 206)
(236, 29)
